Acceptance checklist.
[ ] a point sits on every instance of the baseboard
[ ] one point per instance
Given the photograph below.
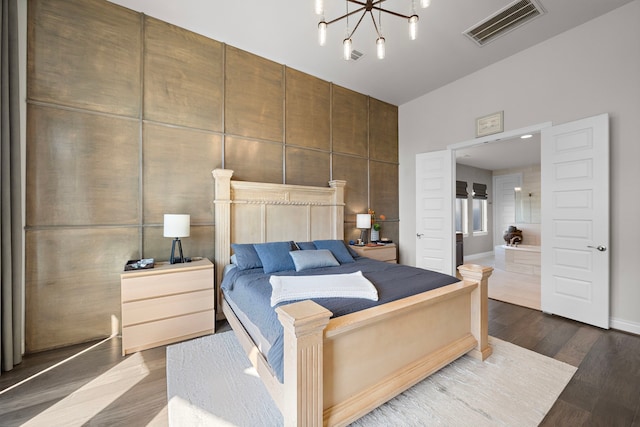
(625, 325)
(476, 256)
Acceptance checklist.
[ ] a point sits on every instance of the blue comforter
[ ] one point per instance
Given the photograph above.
(250, 291)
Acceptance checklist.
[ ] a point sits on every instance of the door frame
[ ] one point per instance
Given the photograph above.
(500, 136)
(494, 138)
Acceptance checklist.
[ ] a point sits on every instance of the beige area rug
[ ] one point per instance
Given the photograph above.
(210, 382)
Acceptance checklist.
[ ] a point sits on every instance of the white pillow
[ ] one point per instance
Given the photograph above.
(304, 260)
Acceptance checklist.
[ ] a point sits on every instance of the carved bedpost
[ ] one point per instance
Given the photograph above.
(338, 208)
(222, 218)
(479, 307)
(303, 323)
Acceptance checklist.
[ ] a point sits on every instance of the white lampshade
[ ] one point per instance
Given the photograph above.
(177, 225)
(363, 221)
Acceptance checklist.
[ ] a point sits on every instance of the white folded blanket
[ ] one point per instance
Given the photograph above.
(351, 285)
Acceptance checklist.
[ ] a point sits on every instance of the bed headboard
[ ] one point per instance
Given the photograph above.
(256, 212)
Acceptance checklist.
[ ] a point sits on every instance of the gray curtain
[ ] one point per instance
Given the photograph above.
(10, 193)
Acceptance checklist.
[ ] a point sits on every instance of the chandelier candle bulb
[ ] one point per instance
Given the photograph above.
(322, 33)
(380, 47)
(425, 3)
(413, 27)
(346, 44)
(320, 7)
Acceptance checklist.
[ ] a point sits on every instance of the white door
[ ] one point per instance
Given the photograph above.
(575, 220)
(435, 250)
(504, 204)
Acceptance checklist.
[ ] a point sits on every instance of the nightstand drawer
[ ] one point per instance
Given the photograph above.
(386, 253)
(170, 306)
(382, 254)
(165, 331)
(157, 285)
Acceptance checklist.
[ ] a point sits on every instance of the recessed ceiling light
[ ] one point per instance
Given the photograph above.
(526, 136)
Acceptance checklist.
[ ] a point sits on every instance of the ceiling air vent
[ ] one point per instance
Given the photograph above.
(355, 55)
(503, 21)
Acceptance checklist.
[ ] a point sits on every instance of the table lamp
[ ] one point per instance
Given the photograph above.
(363, 222)
(176, 226)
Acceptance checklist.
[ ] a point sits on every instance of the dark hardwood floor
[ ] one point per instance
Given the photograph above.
(101, 388)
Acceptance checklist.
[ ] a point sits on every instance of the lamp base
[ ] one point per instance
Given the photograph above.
(363, 236)
(177, 260)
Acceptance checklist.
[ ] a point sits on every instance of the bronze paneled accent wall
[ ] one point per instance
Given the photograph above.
(127, 117)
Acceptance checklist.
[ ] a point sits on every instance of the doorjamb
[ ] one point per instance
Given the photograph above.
(500, 136)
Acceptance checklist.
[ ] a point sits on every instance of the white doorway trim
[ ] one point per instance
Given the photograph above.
(500, 136)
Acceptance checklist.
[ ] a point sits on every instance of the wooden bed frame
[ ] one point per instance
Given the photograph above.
(337, 370)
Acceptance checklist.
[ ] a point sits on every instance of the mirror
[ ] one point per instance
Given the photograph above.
(527, 206)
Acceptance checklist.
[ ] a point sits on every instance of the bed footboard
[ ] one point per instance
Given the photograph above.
(340, 369)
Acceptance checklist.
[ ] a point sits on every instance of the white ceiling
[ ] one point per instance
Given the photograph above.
(285, 31)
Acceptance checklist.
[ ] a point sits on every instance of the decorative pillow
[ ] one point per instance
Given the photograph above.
(246, 256)
(275, 256)
(306, 246)
(305, 260)
(337, 247)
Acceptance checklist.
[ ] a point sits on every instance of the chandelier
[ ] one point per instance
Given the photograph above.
(367, 6)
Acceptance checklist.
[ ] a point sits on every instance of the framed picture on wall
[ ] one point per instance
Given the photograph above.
(490, 124)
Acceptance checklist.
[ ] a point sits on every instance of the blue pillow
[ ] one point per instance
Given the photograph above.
(306, 246)
(337, 247)
(275, 256)
(305, 260)
(246, 256)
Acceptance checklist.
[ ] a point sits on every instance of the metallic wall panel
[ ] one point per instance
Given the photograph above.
(307, 167)
(390, 230)
(349, 119)
(177, 94)
(254, 96)
(177, 172)
(253, 160)
(85, 54)
(81, 168)
(383, 131)
(307, 110)
(354, 170)
(73, 283)
(198, 244)
(384, 185)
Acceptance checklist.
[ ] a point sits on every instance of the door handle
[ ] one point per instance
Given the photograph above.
(600, 248)
(419, 235)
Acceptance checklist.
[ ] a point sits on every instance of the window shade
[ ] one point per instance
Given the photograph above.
(479, 191)
(461, 190)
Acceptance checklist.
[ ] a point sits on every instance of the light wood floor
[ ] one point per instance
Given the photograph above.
(514, 288)
(99, 387)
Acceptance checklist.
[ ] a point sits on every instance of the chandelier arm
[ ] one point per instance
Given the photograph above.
(374, 24)
(392, 12)
(345, 15)
(357, 25)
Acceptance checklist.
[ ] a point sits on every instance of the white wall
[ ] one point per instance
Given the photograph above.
(592, 69)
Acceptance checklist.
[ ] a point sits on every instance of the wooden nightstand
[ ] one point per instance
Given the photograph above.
(387, 253)
(166, 304)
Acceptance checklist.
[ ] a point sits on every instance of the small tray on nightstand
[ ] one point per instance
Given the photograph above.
(139, 264)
